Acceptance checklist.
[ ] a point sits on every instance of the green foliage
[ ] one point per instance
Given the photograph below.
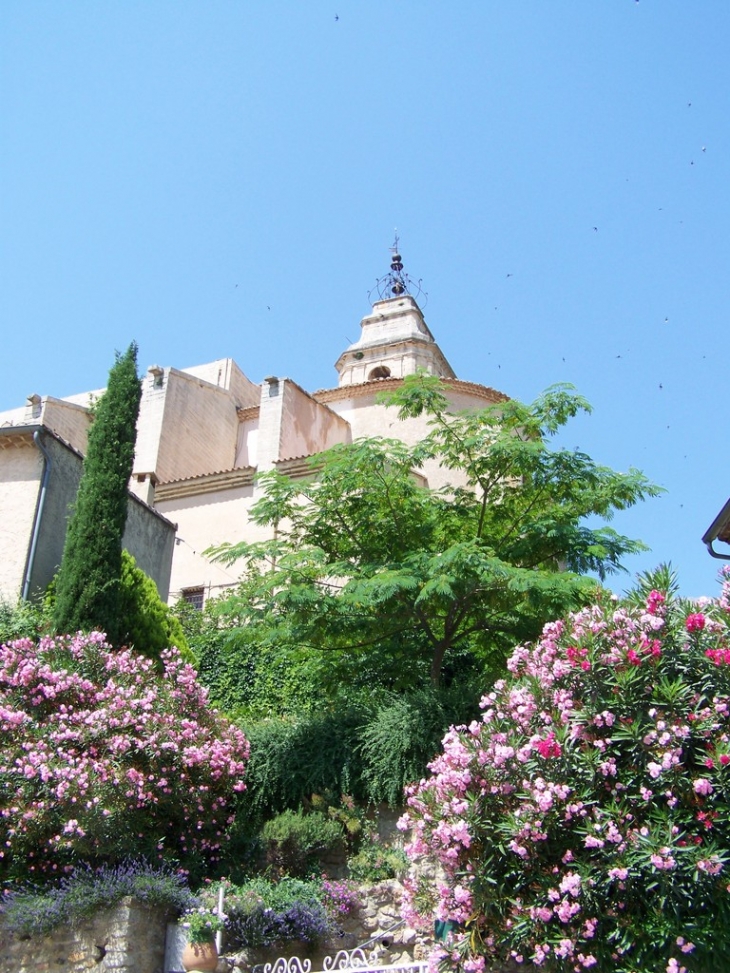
(394, 585)
(202, 924)
(23, 620)
(146, 622)
(292, 758)
(88, 589)
(404, 734)
(277, 895)
(248, 680)
(377, 861)
(296, 842)
(369, 750)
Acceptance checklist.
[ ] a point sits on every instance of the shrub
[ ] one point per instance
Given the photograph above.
(146, 622)
(584, 821)
(376, 861)
(296, 841)
(404, 733)
(369, 749)
(263, 913)
(23, 620)
(296, 757)
(102, 757)
(29, 911)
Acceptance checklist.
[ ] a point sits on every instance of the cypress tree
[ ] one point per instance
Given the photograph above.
(88, 580)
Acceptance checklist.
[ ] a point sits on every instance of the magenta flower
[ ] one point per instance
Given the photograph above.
(549, 747)
(695, 623)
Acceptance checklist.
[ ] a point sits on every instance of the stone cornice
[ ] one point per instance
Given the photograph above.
(489, 395)
(23, 436)
(16, 440)
(298, 466)
(205, 483)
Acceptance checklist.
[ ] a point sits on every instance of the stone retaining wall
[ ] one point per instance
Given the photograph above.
(127, 939)
(376, 921)
(131, 939)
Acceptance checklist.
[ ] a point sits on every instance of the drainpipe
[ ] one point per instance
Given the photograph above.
(717, 554)
(717, 527)
(39, 512)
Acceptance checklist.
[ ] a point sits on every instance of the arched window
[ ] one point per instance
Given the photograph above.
(380, 372)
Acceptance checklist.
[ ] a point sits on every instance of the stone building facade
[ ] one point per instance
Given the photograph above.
(39, 477)
(205, 432)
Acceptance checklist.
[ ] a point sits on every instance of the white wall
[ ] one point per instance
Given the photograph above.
(21, 469)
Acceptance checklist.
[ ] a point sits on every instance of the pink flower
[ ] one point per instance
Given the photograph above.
(663, 861)
(571, 884)
(695, 623)
(685, 946)
(549, 747)
(564, 948)
(654, 602)
(710, 866)
(566, 910)
(702, 786)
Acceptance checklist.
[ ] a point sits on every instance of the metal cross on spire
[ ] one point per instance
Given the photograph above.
(397, 282)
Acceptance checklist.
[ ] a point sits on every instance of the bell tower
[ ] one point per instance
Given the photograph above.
(395, 340)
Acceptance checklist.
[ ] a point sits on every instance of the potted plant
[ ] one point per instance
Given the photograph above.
(200, 952)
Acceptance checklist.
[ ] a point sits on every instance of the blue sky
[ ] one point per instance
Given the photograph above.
(224, 178)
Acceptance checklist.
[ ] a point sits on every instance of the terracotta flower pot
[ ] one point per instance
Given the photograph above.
(200, 956)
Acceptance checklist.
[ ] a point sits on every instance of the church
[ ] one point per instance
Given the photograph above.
(203, 435)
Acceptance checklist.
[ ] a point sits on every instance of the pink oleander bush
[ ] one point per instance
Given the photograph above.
(103, 757)
(584, 822)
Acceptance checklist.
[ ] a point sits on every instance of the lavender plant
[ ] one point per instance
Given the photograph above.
(33, 911)
(263, 913)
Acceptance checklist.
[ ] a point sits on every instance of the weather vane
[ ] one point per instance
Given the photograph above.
(397, 282)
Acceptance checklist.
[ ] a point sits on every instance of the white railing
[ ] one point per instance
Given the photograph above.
(353, 959)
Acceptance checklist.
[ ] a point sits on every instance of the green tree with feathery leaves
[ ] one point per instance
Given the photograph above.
(385, 582)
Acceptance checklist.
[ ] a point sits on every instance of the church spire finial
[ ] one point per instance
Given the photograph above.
(397, 282)
(399, 285)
